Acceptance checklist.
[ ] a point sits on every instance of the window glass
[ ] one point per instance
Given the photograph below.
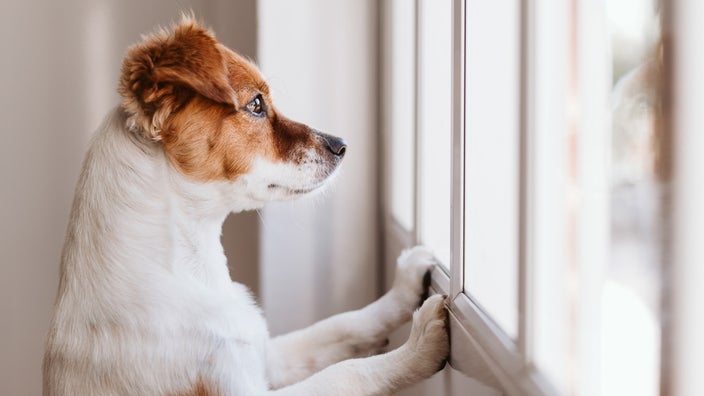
(402, 112)
(435, 125)
(630, 297)
(492, 158)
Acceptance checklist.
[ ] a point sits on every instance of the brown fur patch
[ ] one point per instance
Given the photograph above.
(200, 388)
(207, 143)
(190, 92)
(291, 137)
(156, 71)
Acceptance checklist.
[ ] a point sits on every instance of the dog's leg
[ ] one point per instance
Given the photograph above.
(420, 357)
(297, 355)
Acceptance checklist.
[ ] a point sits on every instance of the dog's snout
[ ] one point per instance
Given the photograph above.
(335, 145)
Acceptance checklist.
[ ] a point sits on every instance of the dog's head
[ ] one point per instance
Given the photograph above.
(212, 113)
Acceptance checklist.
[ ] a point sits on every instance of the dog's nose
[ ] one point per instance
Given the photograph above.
(336, 145)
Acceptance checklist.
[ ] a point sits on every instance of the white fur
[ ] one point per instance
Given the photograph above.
(286, 177)
(146, 306)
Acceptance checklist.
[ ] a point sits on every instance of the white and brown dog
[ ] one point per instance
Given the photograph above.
(145, 303)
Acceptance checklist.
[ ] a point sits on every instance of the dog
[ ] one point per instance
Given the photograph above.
(145, 303)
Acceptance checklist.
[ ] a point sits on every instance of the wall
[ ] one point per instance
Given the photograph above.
(320, 256)
(59, 70)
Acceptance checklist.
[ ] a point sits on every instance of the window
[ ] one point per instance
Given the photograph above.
(536, 167)
(434, 114)
(491, 160)
(401, 126)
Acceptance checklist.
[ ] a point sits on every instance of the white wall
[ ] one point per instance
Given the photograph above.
(319, 257)
(58, 74)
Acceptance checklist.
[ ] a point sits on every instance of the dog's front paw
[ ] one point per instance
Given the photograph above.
(429, 342)
(413, 276)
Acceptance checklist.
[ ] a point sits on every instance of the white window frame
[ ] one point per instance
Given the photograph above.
(508, 364)
(474, 334)
(683, 341)
(505, 358)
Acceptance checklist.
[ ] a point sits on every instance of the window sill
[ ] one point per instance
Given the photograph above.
(480, 350)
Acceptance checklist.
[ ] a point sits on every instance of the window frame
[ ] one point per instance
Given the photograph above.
(683, 343)
(506, 364)
(505, 357)
(503, 364)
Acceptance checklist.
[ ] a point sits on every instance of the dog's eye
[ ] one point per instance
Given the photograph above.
(256, 106)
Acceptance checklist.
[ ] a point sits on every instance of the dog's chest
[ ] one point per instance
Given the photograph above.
(235, 324)
(229, 341)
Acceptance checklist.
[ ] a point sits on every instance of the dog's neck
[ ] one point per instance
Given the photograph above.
(136, 215)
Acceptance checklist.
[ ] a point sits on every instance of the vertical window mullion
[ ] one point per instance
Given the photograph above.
(547, 203)
(418, 163)
(525, 300)
(684, 344)
(593, 79)
(458, 152)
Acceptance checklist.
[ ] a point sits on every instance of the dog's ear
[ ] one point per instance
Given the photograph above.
(168, 67)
